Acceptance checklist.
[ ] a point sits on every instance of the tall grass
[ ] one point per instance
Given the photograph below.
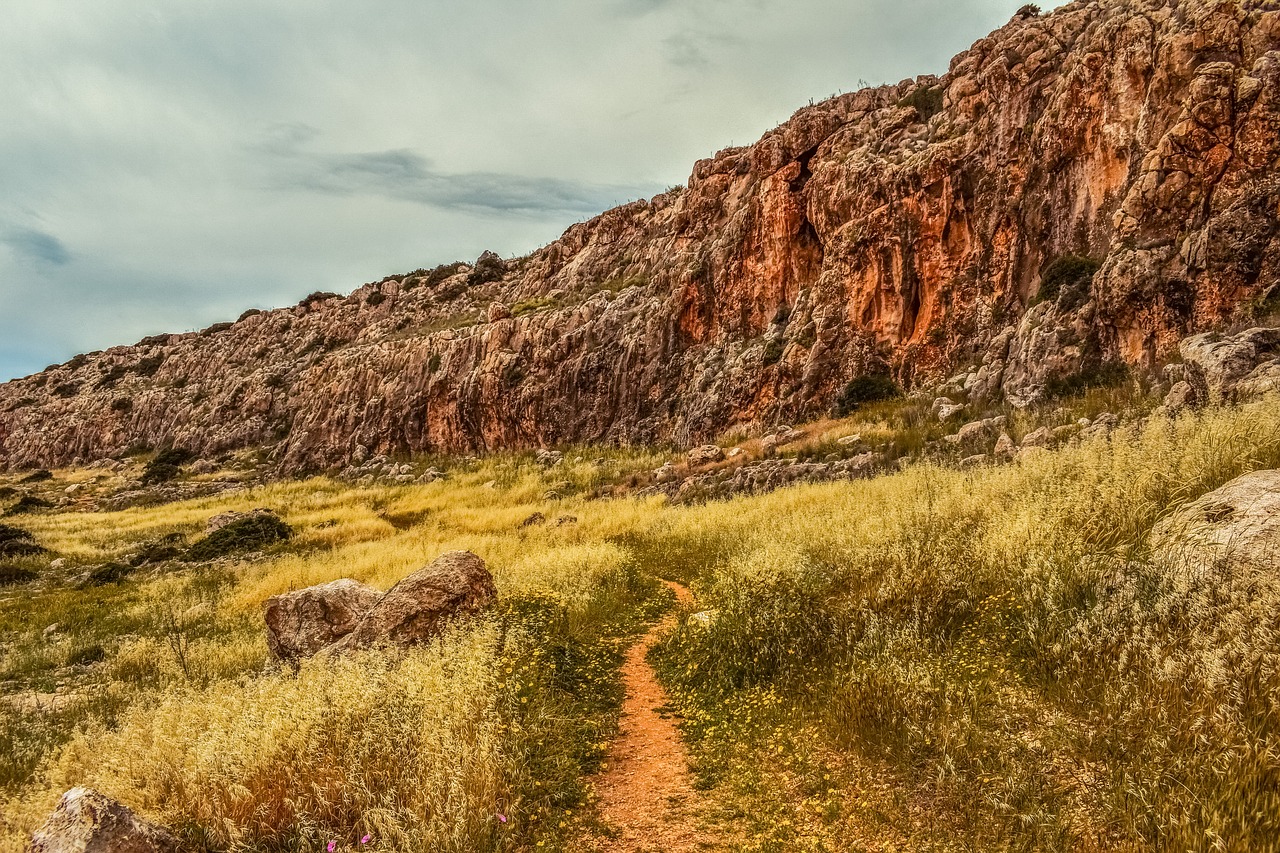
(1005, 643)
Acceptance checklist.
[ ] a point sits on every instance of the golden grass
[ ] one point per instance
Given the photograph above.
(986, 659)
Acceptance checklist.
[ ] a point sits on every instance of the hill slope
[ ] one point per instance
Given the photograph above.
(936, 225)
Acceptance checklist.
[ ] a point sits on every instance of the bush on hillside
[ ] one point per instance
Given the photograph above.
(865, 389)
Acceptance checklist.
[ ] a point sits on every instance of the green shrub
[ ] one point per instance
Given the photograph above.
(122, 405)
(318, 296)
(28, 504)
(67, 389)
(16, 542)
(40, 476)
(375, 299)
(1107, 374)
(166, 466)
(927, 101)
(773, 350)
(251, 533)
(12, 575)
(433, 363)
(106, 573)
(489, 267)
(86, 655)
(865, 389)
(1066, 280)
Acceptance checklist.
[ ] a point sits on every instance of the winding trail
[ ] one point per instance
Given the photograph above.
(645, 794)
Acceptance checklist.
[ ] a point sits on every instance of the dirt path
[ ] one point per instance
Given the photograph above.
(645, 793)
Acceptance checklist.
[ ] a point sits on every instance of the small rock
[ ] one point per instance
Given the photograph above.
(86, 821)
(850, 439)
(1038, 438)
(702, 619)
(566, 519)
(533, 520)
(1005, 448)
(705, 455)
(498, 311)
(944, 408)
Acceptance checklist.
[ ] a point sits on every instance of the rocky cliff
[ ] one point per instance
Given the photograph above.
(1079, 188)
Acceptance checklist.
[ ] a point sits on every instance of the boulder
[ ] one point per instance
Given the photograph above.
(456, 584)
(303, 622)
(1222, 362)
(86, 821)
(1234, 527)
(1038, 438)
(944, 408)
(705, 455)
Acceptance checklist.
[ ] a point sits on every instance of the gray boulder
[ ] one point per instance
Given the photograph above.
(86, 821)
(1236, 526)
(301, 623)
(456, 584)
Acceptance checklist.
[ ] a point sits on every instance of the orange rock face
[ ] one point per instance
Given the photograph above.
(902, 228)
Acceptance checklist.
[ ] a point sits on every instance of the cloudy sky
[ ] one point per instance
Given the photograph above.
(167, 165)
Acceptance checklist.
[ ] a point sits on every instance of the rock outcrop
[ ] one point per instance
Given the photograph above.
(1080, 188)
(86, 821)
(303, 622)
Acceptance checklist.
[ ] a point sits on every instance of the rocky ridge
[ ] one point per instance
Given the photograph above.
(1081, 188)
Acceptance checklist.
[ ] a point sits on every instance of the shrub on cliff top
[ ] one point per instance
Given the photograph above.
(489, 267)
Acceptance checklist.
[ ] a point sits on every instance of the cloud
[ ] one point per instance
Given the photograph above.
(408, 176)
(36, 246)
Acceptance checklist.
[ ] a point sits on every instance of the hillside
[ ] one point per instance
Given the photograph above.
(1081, 188)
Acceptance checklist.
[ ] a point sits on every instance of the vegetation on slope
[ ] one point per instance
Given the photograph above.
(937, 659)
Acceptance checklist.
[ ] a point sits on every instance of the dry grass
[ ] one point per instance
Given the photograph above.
(989, 659)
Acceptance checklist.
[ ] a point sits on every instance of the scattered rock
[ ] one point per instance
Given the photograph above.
(1005, 448)
(534, 520)
(850, 439)
(549, 458)
(705, 455)
(944, 408)
(566, 519)
(498, 311)
(702, 619)
(455, 585)
(86, 821)
(1041, 437)
(301, 623)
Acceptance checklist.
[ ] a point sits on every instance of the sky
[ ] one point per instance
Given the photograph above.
(165, 166)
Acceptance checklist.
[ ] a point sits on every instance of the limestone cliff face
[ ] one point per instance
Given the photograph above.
(904, 227)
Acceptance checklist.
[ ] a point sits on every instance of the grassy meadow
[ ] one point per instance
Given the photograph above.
(935, 659)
